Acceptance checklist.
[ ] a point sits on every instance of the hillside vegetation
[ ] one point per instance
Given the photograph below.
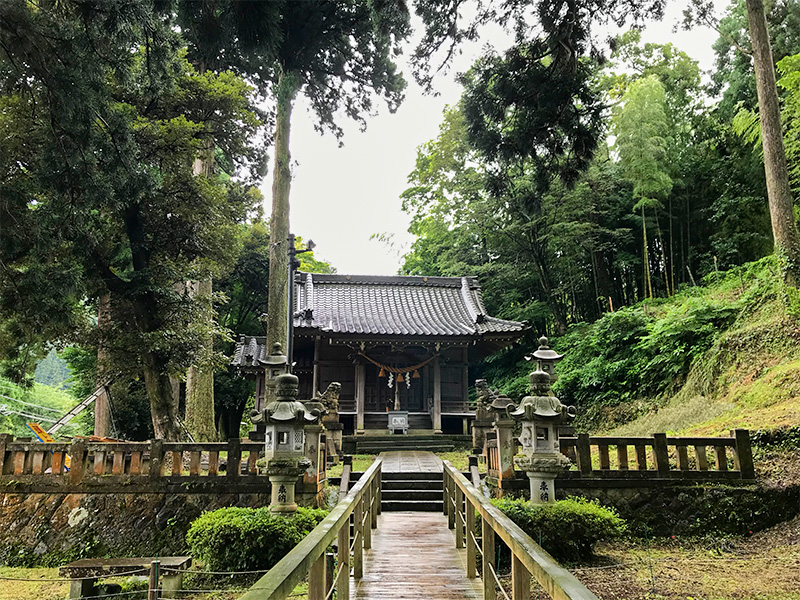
(708, 359)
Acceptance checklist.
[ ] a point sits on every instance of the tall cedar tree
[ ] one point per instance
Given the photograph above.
(781, 205)
(784, 228)
(99, 193)
(337, 54)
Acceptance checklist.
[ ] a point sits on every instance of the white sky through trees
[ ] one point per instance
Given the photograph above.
(341, 196)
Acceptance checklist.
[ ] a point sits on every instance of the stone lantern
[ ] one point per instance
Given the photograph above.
(504, 426)
(546, 358)
(540, 414)
(483, 415)
(284, 420)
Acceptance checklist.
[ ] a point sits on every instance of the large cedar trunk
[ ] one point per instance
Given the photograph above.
(200, 378)
(277, 299)
(784, 229)
(200, 386)
(102, 410)
(163, 407)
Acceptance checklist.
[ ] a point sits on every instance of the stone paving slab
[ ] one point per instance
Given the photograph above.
(411, 461)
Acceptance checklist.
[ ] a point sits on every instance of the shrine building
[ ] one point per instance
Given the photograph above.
(392, 342)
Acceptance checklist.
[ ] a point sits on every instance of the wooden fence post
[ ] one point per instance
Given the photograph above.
(661, 453)
(472, 550)
(449, 501)
(458, 519)
(744, 453)
(234, 458)
(152, 586)
(376, 502)
(487, 543)
(520, 580)
(317, 579)
(445, 492)
(156, 458)
(367, 502)
(379, 478)
(358, 542)
(584, 454)
(4, 440)
(343, 558)
(76, 452)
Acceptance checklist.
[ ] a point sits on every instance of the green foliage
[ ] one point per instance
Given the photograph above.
(247, 539)
(567, 529)
(637, 354)
(785, 438)
(41, 404)
(52, 370)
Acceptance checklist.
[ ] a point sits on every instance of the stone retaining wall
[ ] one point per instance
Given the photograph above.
(55, 528)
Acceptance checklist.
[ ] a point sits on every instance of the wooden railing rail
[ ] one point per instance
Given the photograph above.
(363, 503)
(155, 459)
(462, 500)
(662, 455)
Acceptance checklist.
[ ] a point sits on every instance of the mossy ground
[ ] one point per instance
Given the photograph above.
(765, 566)
(37, 585)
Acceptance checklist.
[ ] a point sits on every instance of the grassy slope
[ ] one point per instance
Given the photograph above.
(750, 376)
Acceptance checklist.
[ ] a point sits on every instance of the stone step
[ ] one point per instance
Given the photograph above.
(411, 484)
(371, 448)
(432, 476)
(413, 505)
(411, 495)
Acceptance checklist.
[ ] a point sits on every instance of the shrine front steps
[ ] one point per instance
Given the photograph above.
(411, 492)
(375, 444)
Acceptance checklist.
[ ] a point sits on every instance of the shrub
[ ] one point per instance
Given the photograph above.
(567, 529)
(248, 539)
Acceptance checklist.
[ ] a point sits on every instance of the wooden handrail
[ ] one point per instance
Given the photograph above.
(528, 558)
(309, 555)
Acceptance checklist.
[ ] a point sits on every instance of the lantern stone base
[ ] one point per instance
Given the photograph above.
(541, 469)
(283, 476)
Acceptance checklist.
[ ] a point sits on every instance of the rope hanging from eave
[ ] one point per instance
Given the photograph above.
(397, 370)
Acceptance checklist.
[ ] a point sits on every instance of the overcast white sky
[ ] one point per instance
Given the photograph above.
(341, 196)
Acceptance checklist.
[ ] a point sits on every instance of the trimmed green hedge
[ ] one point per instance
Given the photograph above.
(567, 529)
(248, 539)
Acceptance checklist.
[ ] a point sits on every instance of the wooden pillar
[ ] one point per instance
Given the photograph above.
(465, 380)
(437, 396)
(315, 376)
(360, 386)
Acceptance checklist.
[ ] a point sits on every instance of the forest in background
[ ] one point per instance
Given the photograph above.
(575, 178)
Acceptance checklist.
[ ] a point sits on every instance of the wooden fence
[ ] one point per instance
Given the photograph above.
(362, 504)
(657, 457)
(461, 502)
(155, 459)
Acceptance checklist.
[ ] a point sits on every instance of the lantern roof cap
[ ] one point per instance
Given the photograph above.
(285, 408)
(545, 353)
(276, 357)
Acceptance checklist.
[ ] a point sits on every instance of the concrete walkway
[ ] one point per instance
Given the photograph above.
(411, 461)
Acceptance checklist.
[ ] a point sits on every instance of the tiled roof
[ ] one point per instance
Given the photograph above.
(396, 306)
(249, 351)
